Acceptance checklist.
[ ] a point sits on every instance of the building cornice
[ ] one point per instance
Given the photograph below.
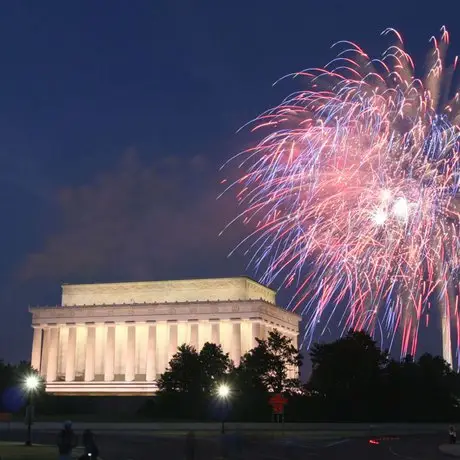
(221, 310)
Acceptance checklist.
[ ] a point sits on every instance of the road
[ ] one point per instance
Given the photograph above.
(382, 428)
(255, 447)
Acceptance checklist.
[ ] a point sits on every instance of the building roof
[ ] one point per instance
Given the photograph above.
(186, 290)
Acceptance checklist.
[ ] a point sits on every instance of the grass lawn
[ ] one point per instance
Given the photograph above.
(16, 451)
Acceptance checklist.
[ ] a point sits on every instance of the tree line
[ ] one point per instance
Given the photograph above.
(352, 379)
(189, 387)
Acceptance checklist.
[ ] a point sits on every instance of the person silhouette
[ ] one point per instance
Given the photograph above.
(90, 446)
(452, 435)
(66, 441)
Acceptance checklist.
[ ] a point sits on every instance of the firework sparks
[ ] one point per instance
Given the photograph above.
(353, 194)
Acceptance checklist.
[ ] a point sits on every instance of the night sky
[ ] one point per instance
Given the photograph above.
(115, 117)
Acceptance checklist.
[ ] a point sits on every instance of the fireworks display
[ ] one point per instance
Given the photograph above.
(353, 197)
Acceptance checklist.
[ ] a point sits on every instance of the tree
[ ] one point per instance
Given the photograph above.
(423, 390)
(183, 373)
(216, 366)
(400, 381)
(193, 372)
(352, 379)
(265, 368)
(188, 384)
(346, 376)
(440, 383)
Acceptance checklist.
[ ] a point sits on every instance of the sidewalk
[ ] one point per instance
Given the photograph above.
(452, 450)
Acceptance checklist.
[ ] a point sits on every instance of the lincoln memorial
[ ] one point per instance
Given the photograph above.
(117, 338)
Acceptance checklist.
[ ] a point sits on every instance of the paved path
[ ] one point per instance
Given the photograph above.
(401, 428)
(453, 450)
(131, 446)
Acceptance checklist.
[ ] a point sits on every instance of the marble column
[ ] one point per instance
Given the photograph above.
(109, 359)
(215, 333)
(204, 333)
(36, 357)
(151, 371)
(172, 341)
(131, 354)
(194, 335)
(263, 331)
(51, 371)
(162, 344)
(236, 343)
(295, 340)
(256, 333)
(90, 356)
(70, 357)
(45, 350)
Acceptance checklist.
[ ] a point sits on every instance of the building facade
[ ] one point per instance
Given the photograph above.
(117, 338)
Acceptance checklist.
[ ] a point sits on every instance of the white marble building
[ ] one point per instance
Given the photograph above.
(117, 338)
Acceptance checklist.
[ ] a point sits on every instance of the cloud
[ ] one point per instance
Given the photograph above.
(137, 222)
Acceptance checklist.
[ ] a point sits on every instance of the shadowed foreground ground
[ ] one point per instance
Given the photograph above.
(210, 447)
(17, 451)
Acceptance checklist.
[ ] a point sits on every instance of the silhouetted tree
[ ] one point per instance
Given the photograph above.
(352, 379)
(265, 370)
(423, 390)
(266, 367)
(216, 366)
(189, 383)
(440, 385)
(183, 373)
(193, 372)
(346, 377)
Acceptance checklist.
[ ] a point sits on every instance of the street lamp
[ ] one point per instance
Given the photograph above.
(223, 392)
(31, 384)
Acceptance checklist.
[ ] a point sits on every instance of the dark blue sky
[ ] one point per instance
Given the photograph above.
(114, 119)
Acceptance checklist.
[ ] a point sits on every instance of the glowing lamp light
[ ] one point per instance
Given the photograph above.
(31, 382)
(223, 391)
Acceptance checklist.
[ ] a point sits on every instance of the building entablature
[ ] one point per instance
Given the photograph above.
(170, 312)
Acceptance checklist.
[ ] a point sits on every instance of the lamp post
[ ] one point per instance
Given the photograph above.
(31, 384)
(223, 392)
